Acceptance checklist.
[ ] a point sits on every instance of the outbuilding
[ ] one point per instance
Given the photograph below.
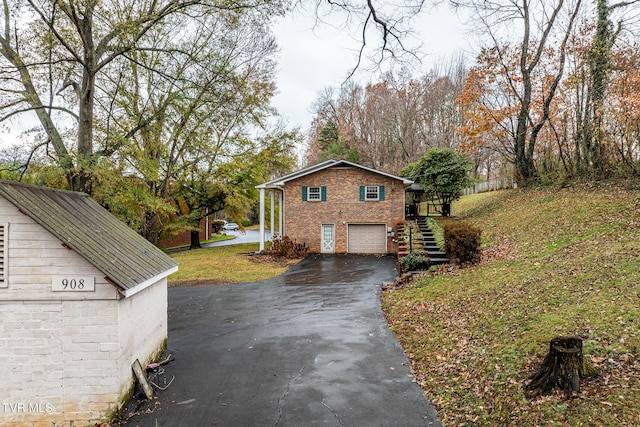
(82, 296)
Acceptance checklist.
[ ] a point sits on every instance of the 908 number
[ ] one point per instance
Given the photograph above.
(72, 284)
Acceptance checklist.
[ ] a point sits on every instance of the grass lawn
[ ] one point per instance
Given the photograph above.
(555, 263)
(225, 264)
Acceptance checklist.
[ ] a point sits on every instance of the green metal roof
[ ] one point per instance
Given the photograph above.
(125, 258)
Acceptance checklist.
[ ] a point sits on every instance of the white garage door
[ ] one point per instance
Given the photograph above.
(367, 238)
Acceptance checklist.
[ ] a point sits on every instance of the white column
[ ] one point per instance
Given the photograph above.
(273, 212)
(261, 219)
(280, 211)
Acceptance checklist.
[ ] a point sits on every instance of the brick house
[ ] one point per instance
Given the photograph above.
(82, 296)
(336, 207)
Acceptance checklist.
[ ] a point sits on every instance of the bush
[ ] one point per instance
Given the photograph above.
(283, 246)
(418, 260)
(462, 243)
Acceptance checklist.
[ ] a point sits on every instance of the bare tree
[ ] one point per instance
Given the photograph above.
(383, 28)
(394, 122)
(537, 25)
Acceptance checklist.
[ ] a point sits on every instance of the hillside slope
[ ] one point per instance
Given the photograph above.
(555, 263)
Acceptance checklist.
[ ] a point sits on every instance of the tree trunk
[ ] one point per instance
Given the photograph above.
(151, 226)
(195, 240)
(83, 177)
(85, 123)
(563, 367)
(599, 61)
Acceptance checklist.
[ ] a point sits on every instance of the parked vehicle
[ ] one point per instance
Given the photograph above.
(231, 226)
(217, 226)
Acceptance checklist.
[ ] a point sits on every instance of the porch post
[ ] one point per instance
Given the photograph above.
(280, 210)
(273, 210)
(261, 219)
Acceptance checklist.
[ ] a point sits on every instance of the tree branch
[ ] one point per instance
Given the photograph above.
(49, 107)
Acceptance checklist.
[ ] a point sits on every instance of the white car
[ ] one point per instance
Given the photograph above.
(232, 226)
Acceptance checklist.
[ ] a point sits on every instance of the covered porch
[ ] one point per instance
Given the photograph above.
(418, 205)
(275, 224)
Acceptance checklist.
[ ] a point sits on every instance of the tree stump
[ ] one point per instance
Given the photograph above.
(563, 367)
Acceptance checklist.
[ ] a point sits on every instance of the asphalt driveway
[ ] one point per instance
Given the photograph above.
(310, 347)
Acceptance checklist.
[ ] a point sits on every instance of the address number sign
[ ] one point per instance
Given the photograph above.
(73, 283)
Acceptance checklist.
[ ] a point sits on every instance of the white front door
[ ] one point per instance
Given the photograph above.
(328, 239)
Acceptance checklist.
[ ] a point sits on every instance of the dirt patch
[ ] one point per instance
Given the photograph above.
(272, 260)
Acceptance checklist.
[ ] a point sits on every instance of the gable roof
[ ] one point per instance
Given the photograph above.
(279, 182)
(128, 260)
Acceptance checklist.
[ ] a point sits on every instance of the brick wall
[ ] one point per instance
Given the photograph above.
(70, 361)
(184, 238)
(30, 356)
(142, 329)
(303, 219)
(53, 366)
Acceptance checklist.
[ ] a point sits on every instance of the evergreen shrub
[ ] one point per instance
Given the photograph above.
(418, 260)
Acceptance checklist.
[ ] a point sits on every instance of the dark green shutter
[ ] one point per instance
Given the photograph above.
(381, 193)
(304, 194)
(362, 193)
(323, 193)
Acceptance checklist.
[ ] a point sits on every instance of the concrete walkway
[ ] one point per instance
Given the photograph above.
(310, 347)
(239, 237)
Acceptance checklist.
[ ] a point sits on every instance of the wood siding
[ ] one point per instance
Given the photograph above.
(34, 255)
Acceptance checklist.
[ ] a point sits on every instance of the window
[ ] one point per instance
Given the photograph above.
(4, 234)
(314, 194)
(371, 193)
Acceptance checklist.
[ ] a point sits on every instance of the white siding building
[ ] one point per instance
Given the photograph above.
(82, 296)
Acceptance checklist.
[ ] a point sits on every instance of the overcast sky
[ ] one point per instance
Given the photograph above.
(312, 60)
